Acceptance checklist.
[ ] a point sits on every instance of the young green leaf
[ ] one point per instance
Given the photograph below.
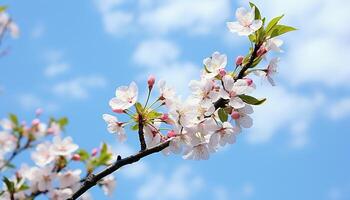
(280, 29)
(257, 11)
(13, 119)
(273, 23)
(9, 184)
(62, 122)
(135, 127)
(252, 100)
(139, 108)
(222, 115)
(84, 155)
(2, 8)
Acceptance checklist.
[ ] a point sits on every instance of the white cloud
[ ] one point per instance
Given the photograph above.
(56, 64)
(38, 31)
(283, 109)
(340, 109)
(31, 102)
(196, 16)
(78, 88)
(163, 16)
(156, 53)
(181, 185)
(161, 58)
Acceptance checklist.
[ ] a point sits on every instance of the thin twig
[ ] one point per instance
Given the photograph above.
(93, 179)
(141, 134)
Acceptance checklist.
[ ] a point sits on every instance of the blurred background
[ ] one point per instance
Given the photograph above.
(71, 56)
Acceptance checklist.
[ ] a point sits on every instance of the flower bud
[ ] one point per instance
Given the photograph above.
(262, 50)
(35, 122)
(222, 72)
(94, 151)
(239, 60)
(235, 115)
(76, 157)
(151, 80)
(249, 81)
(39, 111)
(118, 111)
(164, 117)
(171, 134)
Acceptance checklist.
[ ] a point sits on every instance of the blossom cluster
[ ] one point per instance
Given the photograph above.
(7, 24)
(220, 104)
(52, 153)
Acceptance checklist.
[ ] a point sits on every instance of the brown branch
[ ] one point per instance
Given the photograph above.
(250, 63)
(141, 134)
(93, 179)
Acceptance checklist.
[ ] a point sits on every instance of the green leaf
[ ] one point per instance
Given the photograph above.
(62, 122)
(280, 29)
(257, 11)
(139, 108)
(2, 8)
(23, 187)
(252, 100)
(252, 38)
(104, 149)
(222, 115)
(273, 23)
(9, 184)
(135, 127)
(13, 119)
(153, 114)
(84, 155)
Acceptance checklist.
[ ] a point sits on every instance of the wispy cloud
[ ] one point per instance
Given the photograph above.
(38, 31)
(165, 16)
(78, 88)
(284, 109)
(164, 62)
(180, 184)
(56, 65)
(340, 109)
(30, 102)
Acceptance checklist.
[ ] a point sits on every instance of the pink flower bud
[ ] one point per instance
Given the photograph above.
(171, 134)
(35, 122)
(118, 111)
(249, 81)
(164, 117)
(76, 157)
(222, 72)
(151, 80)
(39, 111)
(239, 60)
(94, 151)
(262, 50)
(235, 115)
(50, 130)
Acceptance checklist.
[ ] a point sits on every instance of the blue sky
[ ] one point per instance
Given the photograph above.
(71, 56)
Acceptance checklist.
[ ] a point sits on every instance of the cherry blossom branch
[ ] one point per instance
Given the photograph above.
(251, 61)
(93, 179)
(17, 151)
(141, 134)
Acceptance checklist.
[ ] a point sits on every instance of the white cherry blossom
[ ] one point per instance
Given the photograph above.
(69, 178)
(7, 142)
(274, 44)
(43, 154)
(167, 94)
(42, 178)
(114, 126)
(60, 194)
(241, 116)
(270, 71)
(232, 89)
(226, 134)
(125, 97)
(214, 64)
(108, 184)
(246, 24)
(63, 147)
(205, 91)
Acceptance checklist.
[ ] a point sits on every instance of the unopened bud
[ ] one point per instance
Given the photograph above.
(249, 81)
(76, 157)
(118, 111)
(171, 134)
(222, 72)
(164, 117)
(151, 80)
(35, 122)
(239, 60)
(235, 115)
(38, 111)
(94, 151)
(262, 50)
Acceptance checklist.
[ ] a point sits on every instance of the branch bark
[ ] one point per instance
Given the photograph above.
(93, 179)
(141, 134)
